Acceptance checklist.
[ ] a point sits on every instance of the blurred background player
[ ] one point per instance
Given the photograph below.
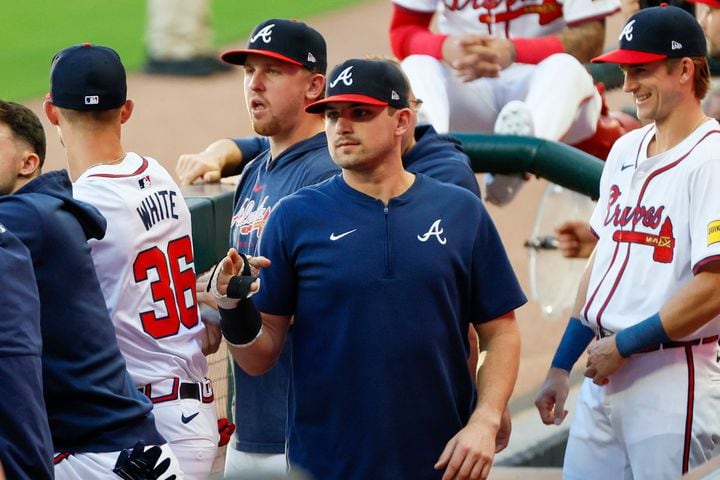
(504, 67)
(93, 409)
(145, 260)
(178, 38)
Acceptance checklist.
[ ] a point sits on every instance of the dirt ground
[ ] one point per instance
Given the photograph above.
(180, 115)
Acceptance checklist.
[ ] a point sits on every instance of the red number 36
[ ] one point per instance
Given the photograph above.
(171, 294)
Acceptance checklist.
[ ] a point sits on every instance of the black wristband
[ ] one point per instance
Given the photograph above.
(240, 325)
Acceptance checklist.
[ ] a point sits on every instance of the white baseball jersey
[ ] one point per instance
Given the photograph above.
(511, 18)
(145, 267)
(658, 220)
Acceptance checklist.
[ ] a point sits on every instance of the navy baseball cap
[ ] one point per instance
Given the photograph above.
(372, 82)
(288, 40)
(87, 77)
(657, 33)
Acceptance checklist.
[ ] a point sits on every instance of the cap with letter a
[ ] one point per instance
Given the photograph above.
(87, 77)
(370, 82)
(288, 40)
(657, 33)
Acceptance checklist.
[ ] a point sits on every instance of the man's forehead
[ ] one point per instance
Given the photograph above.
(258, 60)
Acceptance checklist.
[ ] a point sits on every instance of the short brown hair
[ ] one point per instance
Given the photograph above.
(701, 79)
(25, 126)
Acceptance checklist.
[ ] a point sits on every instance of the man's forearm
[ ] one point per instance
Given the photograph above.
(496, 378)
(584, 41)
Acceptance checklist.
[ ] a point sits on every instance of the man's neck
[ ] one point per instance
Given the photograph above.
(672, 130)
(384, 183)
(88, 149)
(310, 127)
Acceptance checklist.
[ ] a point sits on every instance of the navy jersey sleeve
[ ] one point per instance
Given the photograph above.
(250, 147)
(496, 290)
(278, 292)
(25, 443)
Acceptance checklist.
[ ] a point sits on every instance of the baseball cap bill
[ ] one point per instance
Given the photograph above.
(87, 77)
(712, 3)
(657, 33)
(371, 82)
(288, 40)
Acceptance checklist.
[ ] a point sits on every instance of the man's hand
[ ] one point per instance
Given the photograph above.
(233, 265)
(474, 56)
(502, 439)
(469, 454)
(575, 239)
(550, 401)
(205, 166)
(603, 360)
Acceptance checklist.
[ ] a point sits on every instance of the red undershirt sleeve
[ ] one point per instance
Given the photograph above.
(410, 34)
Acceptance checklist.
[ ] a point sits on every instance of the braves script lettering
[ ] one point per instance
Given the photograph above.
(547, 11)
(620, 217)
(249, 218)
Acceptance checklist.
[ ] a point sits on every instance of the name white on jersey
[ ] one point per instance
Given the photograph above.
(145, 267)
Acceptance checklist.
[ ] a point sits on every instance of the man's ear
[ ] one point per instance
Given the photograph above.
(126, 111)
(51, 112)
(404, 118)
(30, 164)
(316, 87)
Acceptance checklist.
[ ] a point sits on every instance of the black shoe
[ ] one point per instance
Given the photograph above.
(192, 67)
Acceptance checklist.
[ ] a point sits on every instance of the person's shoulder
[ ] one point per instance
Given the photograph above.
(447, 191)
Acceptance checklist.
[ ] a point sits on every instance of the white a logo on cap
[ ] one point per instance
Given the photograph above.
(627, 32)
(675, 45)
(394, 95)
(92, 100)
(265, 33)
(311, 58)
(345, 76)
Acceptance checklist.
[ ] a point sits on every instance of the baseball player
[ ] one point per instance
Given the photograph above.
(25, 443)
(351, 257)
(504, 66)
(145, 260)
(93, 409)
(650, 407)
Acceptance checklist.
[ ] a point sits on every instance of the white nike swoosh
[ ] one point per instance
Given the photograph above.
(334, 237)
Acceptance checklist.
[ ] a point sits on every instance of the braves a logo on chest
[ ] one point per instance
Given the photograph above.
(250, 218)
(435, 231)
(663, 243)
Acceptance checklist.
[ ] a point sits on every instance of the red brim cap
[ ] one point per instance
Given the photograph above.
(712, 3)
(237, 57)
(628, 57)
(319, 106)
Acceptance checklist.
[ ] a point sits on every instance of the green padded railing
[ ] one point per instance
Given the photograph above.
(211, 209)
(559, 163)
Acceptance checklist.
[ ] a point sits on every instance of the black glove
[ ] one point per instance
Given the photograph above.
(141, 464)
